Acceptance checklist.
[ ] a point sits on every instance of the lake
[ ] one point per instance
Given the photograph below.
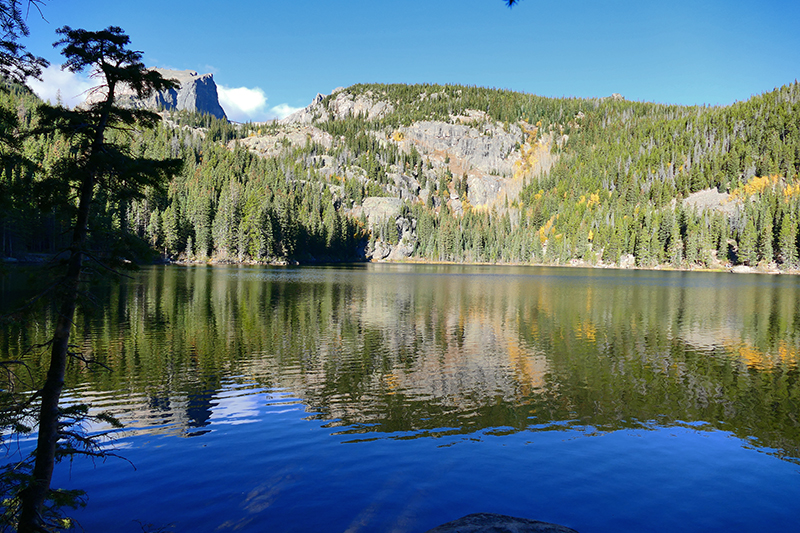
(383, 397)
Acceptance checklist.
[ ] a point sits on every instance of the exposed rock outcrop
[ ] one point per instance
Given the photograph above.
(341, 105)
(270, 145)
(196, 92)
(493, 159)
(498, 523)
(377, 211)
(488, 149)
(711, 199)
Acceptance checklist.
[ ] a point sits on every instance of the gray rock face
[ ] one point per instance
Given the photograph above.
(292, 135)
(342, 105)
(378, 209)
(196, 92)
(407, 229)
(711, 199)
(497, 523)
(490, 150)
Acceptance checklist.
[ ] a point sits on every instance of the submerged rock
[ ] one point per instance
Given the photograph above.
(498, 523)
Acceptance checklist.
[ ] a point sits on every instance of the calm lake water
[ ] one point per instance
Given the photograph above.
(398, 397)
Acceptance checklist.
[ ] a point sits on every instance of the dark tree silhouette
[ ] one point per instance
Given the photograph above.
(15, 63)
(94, 163)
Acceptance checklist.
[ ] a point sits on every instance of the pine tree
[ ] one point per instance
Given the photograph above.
(765, 249)
(787, 241)
(97, 164)
(675, 247)
(748, 251)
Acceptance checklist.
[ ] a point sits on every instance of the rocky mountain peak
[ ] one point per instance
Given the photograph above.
(342, 104)
(195, 92)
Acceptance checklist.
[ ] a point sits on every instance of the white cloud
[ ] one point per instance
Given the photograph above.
(243, 104)
(72, 87)
(284, 110)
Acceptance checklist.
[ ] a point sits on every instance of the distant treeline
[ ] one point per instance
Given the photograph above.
(617, 187)
(226, 203)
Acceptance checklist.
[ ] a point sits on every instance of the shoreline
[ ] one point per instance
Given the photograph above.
(771, 268)
(768, 268)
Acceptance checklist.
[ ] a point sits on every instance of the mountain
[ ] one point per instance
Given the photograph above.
(473, 174)
(469, 174)
(195, 93)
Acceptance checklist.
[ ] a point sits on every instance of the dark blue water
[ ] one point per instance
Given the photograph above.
(396, 398)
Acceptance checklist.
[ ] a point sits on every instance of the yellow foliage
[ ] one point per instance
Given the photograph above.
(756, 185)
(528, 151)
(586, 330)
(398, 136)
(787, 353)
(754, 357)
(791, 189)
(546, 230)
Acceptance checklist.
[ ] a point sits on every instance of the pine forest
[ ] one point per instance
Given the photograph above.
(441, 173)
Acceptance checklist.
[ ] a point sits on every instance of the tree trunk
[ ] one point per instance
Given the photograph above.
(34, 496)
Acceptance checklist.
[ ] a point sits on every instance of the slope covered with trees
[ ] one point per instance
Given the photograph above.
(619, 183)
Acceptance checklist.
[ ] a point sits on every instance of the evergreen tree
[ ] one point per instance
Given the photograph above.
(787, 241)
(765, 249)
(97, 165)
(748, 251)
(16, 64)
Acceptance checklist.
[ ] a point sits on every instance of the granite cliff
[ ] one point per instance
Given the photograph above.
(195, 92)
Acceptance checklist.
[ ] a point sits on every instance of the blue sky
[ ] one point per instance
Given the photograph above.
(270, 57)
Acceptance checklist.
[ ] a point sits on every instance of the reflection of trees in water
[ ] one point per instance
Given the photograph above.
(411, 352)
(198, 411)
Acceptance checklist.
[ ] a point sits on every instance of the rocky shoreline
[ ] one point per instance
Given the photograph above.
(389, 258)
(738, 269)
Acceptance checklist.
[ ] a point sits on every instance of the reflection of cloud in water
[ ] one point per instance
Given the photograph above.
(233, 407)
(177, 414)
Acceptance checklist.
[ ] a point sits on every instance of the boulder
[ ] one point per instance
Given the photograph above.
(627, 261)
(498, 523)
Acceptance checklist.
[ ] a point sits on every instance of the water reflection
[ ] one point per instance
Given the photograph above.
(404, 351)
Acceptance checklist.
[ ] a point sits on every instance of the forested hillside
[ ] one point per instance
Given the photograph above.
(449, 173)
